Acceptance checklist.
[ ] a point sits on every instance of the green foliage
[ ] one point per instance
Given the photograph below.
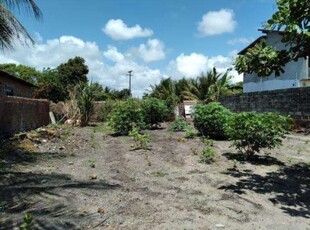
(73, 72)
(179, 124)
(105, 111)
(190, 132)
(262, 59)
(211, 120)
(50, 87)
(10, 26)
(293, 17)
(125, 116)
(85, 101)
(141, 140)
(92, 163)
(21, 71)
(28, 222)
(251, 132)
(208, 155)
(154, 111)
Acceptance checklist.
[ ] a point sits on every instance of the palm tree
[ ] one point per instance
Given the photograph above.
(10, 27)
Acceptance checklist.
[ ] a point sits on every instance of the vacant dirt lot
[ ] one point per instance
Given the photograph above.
(90, 179)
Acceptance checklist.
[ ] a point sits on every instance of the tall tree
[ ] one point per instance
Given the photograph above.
(73, 72)
(10, 27)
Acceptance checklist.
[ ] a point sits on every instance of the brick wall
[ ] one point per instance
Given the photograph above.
(20, 87)
(20, 114)
(294, 102)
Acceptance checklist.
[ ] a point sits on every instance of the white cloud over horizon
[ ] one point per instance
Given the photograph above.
(118, 30)
(217, 22)
(109, 67)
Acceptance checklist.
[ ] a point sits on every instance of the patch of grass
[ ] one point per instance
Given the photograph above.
(207, 141)
(208, 155)
(194, 151)
(92, 163)
(180, 139)
(66, 134)
(159, 173)
(190, 133)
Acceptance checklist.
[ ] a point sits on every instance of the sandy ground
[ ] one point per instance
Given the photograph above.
(89, 179)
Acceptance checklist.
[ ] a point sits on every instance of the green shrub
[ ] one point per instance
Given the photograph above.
(251, 132)
(179, 124)
(141, 140)
(28, 222)
(154, 111)
(105, 111)
(207, 155)
(125, 116)
(211, 120)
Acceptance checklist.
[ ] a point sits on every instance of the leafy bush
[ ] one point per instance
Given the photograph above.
(179, 124)
(207, 155)
(125, 116)
(105, 112)
(154, 111)
(251, 132)
(141, 140)
(211, 120)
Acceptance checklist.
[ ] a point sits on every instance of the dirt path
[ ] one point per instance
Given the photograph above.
(161, 188)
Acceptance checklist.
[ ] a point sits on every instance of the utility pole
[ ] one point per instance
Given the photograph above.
(130, 75)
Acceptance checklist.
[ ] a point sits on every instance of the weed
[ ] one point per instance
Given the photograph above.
(179, 124)
(180, 139)
(194, 151)
(28, 222)
(235, 163)
(159, 173)
(190, 133)
(207, 155)
(3, 205)
(207, 141)
(289, 160)
(141, 140)
(92, 163)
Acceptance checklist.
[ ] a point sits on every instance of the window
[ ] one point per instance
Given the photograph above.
(8, 90)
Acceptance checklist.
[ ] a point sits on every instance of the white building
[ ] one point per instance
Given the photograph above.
(296, 73)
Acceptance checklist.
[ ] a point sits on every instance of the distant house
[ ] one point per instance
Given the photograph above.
(13, 86)
(296, 73)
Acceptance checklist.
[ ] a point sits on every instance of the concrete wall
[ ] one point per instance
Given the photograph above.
(293, 72)
(20, 114)
(294, 102)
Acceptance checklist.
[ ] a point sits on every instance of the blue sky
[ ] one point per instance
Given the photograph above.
(154, 38)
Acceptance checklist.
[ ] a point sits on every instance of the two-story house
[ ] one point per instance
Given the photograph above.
(296, 73)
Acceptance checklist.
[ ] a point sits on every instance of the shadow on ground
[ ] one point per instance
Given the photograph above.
(290, 187)
(47, 196)
(254, 160)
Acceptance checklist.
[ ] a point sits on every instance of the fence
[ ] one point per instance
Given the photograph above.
(21, 114)
(294, 102)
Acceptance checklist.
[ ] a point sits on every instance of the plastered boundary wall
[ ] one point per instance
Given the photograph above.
(294, 102)
(20, 114)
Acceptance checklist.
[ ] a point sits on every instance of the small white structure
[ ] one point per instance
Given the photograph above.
(296, 73)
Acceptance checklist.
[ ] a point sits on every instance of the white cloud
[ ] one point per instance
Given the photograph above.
(53, 52)
(194, 64)
(152, 51)
(241, 40)
(217, 22)
(118, 30)
(113, 54)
